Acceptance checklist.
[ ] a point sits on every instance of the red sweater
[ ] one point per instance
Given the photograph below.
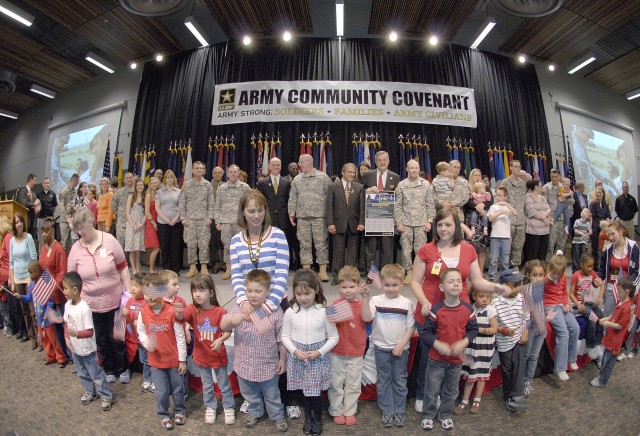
(613, 338)
(161, 324)
(352, 334)
(56, 263)
(206, 329)
(449, 325)
(556, 293)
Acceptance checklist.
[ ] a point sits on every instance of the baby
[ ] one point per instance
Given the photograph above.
(479, 196)
(443, 184)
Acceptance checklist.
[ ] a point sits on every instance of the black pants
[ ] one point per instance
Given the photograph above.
(513, 368)
(383, 244)
(345, 251)
(112, 353)
(171, 246)
(313, 409)
(536, 247)
(216, 248)
(577, 250)
(28, 315)
(15, 312)
(59, 330)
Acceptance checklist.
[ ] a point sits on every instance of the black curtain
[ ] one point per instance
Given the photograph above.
(176, 98)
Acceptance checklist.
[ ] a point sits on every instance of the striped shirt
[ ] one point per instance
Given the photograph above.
(392, 317)
(274, 259)
(511, 314)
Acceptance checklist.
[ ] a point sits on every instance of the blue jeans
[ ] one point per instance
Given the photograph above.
(474, 219)
(208, 397)
(534, 345)
(167, 382)
(499, 250)
(91, 376)
(609, 302)
(143, 355)
(632, 333)
(261, 394)
(567, 332)
(562, 210)
(608, 362)
(391, 386)
(442, 379)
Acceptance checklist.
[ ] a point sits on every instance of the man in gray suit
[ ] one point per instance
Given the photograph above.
(378, 180)
(345, 219)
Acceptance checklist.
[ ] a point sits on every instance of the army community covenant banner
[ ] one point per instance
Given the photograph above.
(394, 102)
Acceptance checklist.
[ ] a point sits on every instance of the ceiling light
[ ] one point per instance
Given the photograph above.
(581, 63)
(433, 40)
(42, 91)
(286, 36)
(340, 17)
(133, 65)
(633, 94)
(552, 67)
(522, 59)
(197, 31)
(393, 36)
(16, 13)
(486, 27)
(159, 58)
(246, 40)
(8, 114)
(99, 62)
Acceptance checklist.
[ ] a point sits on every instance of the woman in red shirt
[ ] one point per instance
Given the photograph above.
(6, 304)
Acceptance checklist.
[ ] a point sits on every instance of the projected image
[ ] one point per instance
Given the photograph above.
(80, 152)
(597, 155)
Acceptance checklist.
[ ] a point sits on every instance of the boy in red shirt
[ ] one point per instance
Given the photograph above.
(347, 357)
(628, 352)
(130, 312)
(616, 326)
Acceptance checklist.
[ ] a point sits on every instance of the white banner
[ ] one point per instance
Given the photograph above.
(391, 102)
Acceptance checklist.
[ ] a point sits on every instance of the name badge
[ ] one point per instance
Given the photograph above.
(435, 270)
(103, 253)
(49, 252)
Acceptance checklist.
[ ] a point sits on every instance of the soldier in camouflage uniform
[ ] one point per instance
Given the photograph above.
(557, 234)
(413, 213)
(67, 199)
(119, 207)
(225, 211)
(196, 212)
(461, 189)
(307, 206)
(215, 245)
(516, 190)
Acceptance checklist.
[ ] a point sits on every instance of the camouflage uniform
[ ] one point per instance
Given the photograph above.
(67, 198)
(119, 206)
(196, 205)
(414, 207)
(557, 234)
(461, 193)
(516, 191)
(307, 202)
(225, 211)
(215, 245)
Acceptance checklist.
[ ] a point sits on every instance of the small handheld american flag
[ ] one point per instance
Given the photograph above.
(53, 316)
(261, 321)
(532, 298)
(374, 276)
(340, 311)
(152, 341)
(160, 291)
(44, 288)
(119, 326)
(593, 317)
(614, 288)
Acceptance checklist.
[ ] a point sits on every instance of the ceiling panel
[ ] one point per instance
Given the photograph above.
(621, 74)
(17, 102)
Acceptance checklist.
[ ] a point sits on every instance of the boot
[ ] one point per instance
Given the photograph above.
(323, 273)
(227, 273)
(407, 279)
(193, 271)
(306, 266)
(203, 269)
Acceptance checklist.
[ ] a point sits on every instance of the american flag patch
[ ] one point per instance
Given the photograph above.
(207, 331)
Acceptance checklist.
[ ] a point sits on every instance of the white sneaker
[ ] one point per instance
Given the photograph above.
(152, 388)
(145, 386)
(419, 406)
(229, 416)
(293, 412)
(562, 376)
(245, 407)
(621, 357)
(596, 382)
(210, 416)
(592, 353)
(631, 355)
(573, 366)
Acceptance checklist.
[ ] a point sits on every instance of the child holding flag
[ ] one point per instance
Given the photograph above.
(130, 312)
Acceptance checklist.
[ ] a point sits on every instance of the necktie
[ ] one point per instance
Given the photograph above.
(380, 184)
(275, 185)
(347, 192)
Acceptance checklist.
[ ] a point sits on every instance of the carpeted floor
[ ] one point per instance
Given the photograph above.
(39, 400)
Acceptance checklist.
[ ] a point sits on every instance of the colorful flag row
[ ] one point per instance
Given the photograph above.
(415, 149)
(321, 148)
(221, 152)
(365, 149)
(463, 152)
(262, 151)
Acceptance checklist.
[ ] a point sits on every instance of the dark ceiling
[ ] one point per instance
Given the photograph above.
(51, 52)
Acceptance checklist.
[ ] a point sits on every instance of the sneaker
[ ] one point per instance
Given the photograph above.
(573, 366)
(145, 386)
(517, 403)
(166, 423)
(209, 416)
(180, 419)
(87, 398)
(387, 420)
(251, 422)
(245, 407)
(592, 353)
(399, 420)
(339, 420)
(152, 388)
(528, 388)
(461, 408)
(106, 404)
(596, 382)
(282, 426)
(419, 406)
(631, 355)
(621, 357)
(427, 424)
(125, 377)
(293, 412)
(111, 378)
(562, 376)
(447, 423)
(229, 416)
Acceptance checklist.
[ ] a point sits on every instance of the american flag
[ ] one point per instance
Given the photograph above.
(551, 314)
(374, 276)
(106, 169)
(44, 288)
(159, 291)
(53, 316)
(207, 331)
(340, 311)
(532, 299)
(261, 321)
(119, 326)
(614, 288)
(593, 317)
(571, 175)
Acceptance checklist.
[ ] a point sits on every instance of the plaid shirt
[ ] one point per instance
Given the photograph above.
(256, 355)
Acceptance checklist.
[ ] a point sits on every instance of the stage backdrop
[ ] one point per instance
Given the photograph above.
(176, 97)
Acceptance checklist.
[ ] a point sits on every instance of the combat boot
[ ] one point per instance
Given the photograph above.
(192, 271)
(407, 279)
(323, 273)
(203, 269)
(227, 273)
(306, 266)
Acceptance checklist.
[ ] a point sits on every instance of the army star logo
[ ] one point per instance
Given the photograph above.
(226, 97)
(226, 100)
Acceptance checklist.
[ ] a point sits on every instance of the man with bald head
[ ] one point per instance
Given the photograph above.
(461, 189)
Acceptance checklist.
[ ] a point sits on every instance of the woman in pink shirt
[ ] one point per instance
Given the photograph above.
(100, 261)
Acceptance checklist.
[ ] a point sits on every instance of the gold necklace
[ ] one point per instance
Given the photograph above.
(256, 259)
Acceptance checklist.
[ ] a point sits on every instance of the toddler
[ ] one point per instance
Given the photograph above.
(131, 311)
(479, 196)
(442, 184)
(500, 214)
(562, 208)
(581, 236)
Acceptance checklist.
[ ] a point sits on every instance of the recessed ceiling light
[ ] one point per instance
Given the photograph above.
(552, 67)
(286, 36)
(159, 58)
(42, 91)
(393, 36)
(133, 65)
(340, 17)
(99, 62)
(246, 40)
(16, 13)
(433, 40)
(522, 59)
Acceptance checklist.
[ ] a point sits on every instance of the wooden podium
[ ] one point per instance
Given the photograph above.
(9, 207)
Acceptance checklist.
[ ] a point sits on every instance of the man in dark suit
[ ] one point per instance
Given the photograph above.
(380, 179)
(345, 219)
(26, 196)
(580, 201)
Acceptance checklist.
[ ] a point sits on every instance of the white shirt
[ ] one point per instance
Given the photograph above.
(79, 317)
(308, 326)
(275, 180)
(384, 177)
(501, 227)
(392, 317)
